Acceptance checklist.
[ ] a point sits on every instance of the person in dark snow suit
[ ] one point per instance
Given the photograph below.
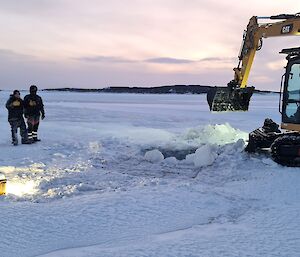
(33, 111)
(14, 106)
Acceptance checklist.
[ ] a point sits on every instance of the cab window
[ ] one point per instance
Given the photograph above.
(293, 93)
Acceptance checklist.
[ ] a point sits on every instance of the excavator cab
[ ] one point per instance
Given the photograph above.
(290, 97)
(284, 145)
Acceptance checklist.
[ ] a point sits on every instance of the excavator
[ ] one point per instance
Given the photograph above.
(284, 145)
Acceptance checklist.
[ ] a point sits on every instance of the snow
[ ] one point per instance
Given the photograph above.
(154, 156)
(145, 175)
(2, 177)
(171, 160)
(204, 156)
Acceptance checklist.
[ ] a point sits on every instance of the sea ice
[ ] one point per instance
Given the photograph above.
(154, 156)
(204, 156)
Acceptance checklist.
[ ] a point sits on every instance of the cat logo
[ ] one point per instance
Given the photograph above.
(287, 29)
(32, 103)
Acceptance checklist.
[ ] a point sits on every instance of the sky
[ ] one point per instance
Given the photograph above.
(96, 44)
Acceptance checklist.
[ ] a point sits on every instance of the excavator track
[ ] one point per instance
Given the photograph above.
(285, 150)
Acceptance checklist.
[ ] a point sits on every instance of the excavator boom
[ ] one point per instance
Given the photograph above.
(236, 96)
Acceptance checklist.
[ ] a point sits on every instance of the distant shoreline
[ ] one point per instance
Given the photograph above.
(176, 89)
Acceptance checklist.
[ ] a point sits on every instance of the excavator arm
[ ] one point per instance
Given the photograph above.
(236, 96)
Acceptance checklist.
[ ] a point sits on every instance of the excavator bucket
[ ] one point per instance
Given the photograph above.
(224, 99)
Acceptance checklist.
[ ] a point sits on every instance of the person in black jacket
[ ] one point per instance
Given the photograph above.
(14, 106)
(33, 111)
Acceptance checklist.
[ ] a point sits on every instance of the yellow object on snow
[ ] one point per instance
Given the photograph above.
(2, 185)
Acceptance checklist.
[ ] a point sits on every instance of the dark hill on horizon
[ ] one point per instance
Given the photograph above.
(175, 89)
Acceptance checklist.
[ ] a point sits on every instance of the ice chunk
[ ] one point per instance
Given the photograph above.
(171, 160)
(154, 156)
(190, 158)
(219, 134)
(204, 156)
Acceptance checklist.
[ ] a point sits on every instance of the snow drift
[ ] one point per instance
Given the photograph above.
(94, 186)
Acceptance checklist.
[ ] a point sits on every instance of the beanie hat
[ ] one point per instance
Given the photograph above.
(33, 89)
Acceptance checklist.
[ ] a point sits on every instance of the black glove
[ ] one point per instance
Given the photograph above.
(43, 116)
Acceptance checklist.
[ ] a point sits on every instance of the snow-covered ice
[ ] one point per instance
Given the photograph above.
(154, 156)
(145, 175)
(204, 156)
